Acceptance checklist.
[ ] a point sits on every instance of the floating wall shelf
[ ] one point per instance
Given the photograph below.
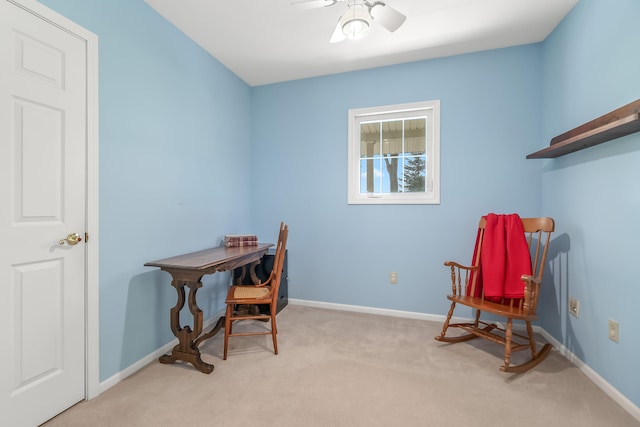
(623, 121)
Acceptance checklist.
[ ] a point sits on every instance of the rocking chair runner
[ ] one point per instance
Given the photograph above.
(465, 279)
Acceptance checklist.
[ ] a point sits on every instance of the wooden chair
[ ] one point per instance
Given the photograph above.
(463, 285)
(261, 294)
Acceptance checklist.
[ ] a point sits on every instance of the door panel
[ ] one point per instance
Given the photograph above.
(36, 346)
(38, 167)
(43, 142)
(38, 60)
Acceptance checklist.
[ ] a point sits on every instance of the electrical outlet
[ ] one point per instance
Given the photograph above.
(574, 307)
(613, 330)
(393, 278)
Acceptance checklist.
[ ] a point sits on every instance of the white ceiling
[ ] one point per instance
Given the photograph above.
(269, 41)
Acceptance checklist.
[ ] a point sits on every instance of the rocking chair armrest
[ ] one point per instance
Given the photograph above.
(531, 292)
(459, 280)
(529, 278)
(456, 265)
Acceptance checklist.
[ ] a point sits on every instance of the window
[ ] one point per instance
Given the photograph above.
(394, 154)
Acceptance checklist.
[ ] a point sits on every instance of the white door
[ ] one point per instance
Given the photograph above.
(43, 167)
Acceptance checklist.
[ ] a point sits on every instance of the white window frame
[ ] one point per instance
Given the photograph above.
(428, 109)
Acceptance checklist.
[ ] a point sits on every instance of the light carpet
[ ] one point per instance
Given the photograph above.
(338, 368)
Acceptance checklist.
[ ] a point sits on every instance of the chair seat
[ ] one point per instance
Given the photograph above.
(493, 307)
(252, 292)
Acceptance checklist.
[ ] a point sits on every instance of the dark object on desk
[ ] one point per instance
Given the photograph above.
(262, 272)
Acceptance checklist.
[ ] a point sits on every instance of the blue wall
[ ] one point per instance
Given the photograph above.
(175, 124)
(340, 253)
(591, 66)
(173, 131)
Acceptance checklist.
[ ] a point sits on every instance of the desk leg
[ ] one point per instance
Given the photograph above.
(252, 273)
(249, 309)
(187, 348)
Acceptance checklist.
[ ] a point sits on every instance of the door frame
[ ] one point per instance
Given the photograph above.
(91, 308)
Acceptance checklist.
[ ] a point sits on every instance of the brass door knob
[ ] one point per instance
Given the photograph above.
(72, 239)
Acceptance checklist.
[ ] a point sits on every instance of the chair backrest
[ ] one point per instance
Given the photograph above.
(278, 261)
(538, 234)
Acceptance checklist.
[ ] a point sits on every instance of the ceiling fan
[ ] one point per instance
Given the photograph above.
(355, 22)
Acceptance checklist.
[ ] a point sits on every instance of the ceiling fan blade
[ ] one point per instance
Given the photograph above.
(337, 35)
(312, 4)
(386, 16)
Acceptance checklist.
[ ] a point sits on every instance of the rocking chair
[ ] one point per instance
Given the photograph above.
(469, 289)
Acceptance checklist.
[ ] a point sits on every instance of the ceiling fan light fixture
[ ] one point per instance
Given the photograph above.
(355, 22)
(386, 16)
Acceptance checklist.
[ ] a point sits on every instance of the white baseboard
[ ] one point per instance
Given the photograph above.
(611, 391)
(369, 310)
(115, 379)
(372, 310)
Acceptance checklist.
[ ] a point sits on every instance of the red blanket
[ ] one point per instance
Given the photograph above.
(504, 258)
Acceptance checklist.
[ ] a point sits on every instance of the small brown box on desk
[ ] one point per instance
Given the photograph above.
(239, 240)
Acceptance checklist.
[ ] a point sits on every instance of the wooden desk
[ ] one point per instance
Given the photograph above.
(187, 270)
